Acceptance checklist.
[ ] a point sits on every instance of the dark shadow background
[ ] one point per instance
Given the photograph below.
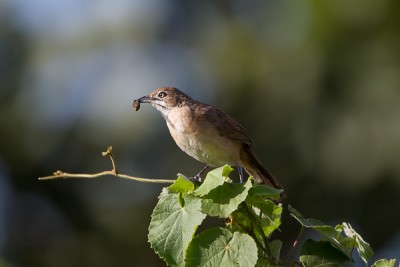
(316, 84)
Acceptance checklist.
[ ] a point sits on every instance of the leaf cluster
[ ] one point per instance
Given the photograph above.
(252, 214)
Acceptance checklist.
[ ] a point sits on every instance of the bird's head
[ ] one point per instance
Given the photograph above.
(165, 98)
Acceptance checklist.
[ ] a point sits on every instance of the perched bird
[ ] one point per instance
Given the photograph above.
(207, 134)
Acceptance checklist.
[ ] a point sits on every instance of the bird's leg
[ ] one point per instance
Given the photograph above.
(198, 177)
(240, 169)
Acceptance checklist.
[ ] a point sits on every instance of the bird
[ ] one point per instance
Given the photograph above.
(207, 134)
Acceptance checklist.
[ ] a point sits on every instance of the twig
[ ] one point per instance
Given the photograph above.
(299, 236)
(109, 153)
(113, 172)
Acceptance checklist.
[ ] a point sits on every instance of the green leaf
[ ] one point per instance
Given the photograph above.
(182, 185)
(363, 248)
(327, 231)
(241, 221)
(220, 247)
(172, 226)
(181, 200)
(346, 243)
(213, 179)
(265, 192)
(309, 223)
(261, 223)
(322, 253)
(275, 247)
(266, 212)
(225, 199)
(384, 263)
(269, 215)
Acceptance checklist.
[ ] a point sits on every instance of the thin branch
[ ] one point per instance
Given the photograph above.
(109, 153)
(299, 236)
(113, 172)
(65, 175)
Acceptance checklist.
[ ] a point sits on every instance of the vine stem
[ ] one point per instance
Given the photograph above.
(113, 172)
(294, 244)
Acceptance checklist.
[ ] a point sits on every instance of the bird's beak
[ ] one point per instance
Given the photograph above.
(145, 99)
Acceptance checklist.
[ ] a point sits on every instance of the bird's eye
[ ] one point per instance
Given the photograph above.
(162, 94)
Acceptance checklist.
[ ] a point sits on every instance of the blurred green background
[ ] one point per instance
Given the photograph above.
(315, 83)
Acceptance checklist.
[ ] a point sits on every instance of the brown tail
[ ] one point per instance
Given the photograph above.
(255, 168)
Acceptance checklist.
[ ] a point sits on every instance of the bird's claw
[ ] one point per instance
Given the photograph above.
(196, 179)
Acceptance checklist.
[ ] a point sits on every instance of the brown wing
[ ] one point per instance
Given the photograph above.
(226, 125)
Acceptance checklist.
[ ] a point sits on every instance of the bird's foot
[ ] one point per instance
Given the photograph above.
(240, 169)
(196, 179)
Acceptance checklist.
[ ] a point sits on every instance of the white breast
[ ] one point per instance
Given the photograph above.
(202, 142)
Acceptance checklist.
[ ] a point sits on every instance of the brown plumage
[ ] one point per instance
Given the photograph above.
(207, 133)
